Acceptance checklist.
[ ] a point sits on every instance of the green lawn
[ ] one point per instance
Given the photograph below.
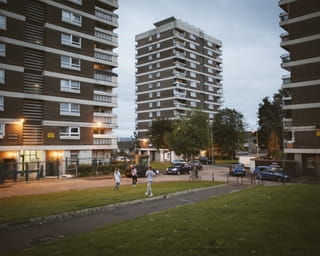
(19, 209)
(278, 220)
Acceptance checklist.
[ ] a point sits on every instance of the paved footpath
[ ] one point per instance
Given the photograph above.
(23, 237)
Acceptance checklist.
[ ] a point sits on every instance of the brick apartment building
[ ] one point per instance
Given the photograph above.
(57, 79)
(301, 21)
(178, 67)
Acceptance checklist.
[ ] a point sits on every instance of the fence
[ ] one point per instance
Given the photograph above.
(13, 171)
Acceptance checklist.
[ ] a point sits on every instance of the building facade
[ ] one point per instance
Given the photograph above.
(57, 79)
(301, 21)
(178, 67)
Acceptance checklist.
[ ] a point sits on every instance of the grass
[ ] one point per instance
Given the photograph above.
(22, 208)
(278, 220)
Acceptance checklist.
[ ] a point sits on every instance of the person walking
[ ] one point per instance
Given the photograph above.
(117, 176)
(134, 176)
(150, 175)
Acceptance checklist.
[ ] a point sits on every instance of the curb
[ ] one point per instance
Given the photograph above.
(68, 215)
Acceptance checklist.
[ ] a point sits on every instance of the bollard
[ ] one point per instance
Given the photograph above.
(212, 177)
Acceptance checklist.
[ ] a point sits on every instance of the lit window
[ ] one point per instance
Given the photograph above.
(2, 125)
(1, 103)
(72, 18)
(69, 133)
(3, 22)
(2, 49)
(2, 76)
(69, 109)
(71, 40)
(69, 62)
(70, 86)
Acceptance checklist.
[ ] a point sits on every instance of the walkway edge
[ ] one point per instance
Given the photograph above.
(67, 215)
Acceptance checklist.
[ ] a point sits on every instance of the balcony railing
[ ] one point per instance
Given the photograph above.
(179, 34)
(180, 94)
(286, 79)
(284, 37)
(179, 44)
(105, 76)
(105, 16)
(284, 16)
(179, 74)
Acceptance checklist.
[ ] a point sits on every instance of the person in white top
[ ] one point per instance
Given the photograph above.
(150, 175)
(117, 176)
(134, 176)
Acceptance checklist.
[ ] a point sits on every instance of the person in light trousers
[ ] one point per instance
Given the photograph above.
(117, 176)
(150, 175)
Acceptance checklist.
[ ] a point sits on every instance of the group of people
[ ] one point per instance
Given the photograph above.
(149, 174)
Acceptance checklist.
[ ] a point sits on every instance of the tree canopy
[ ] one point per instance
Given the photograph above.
(157, 132)
(228, 130)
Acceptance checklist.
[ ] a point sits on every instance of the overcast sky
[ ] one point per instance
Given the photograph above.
(249, 31)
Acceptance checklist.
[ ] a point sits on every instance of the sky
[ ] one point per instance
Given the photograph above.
(250, 35)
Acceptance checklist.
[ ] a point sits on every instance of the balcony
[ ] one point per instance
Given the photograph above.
(284, 37)
(106, 17)
(110, 141)
(286, 79)
(106, 37)
(178, 54)
(104, 97)
(105, 120)
(180, 104)
(113, 3)
(106, 56)
(180, 84)
(180, 93)
(179, 74)
(180, 65)
(179, 34)
(105, 76)
(285, 59)
(284, 16)
(179, 44)
(287, 123)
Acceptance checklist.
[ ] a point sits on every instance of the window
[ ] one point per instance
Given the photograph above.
(193, 65)
(69, 62)
(150, 38)
(210, 52)
(193, 104)
(158, 55)
(211, 116)
(158, 113)
(150, 114)
(2, 49)
(158, 64)
(193, 94)
(150, 47)
(69, 109)
(193, 46)
(158, 74)
(158, 84)
(210, 88)
(158, 35)
(150, 66)
(150, 76)
(193, 74)
(158, 94)
(71, 17)
(210, 70)
(158, 104)
(192, 36)
(3, 22)
(210, 44)
(103, 36)
(158, 45)
(71, 40)
(210, 97)
(150, 105)
(150, 94)
(2, 125)
(150, 86)
(150, 57)
(192, 55)
(1, 103)
(210, 79)
(210, 61)
(210, 106)
(193, 84)
(70, 133)
(2, 76)
(70, 86)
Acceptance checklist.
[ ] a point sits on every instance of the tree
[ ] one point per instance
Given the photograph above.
(228, 130)
(190, 134)
(274, 144)
(270, 117)
(157, 132)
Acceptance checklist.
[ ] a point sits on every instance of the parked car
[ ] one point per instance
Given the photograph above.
(237, 170)
(141, 171)
(271, 173)
(179, 169)
(177, 161)
(196, 163)
(204, 160)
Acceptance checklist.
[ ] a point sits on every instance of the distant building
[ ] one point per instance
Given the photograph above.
(301, 21)
(178, 67)
(57, 79)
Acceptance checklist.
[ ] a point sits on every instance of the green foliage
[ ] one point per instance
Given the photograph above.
(161, 166)
(270, 117)
(158, 131)
(190, 134)
(228, 131)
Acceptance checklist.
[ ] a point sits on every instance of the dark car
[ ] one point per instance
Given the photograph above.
(237, 170)
(179, 169)
(270, 173)
(205, 160)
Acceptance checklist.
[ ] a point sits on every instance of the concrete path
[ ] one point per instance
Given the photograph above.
(20, 238)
